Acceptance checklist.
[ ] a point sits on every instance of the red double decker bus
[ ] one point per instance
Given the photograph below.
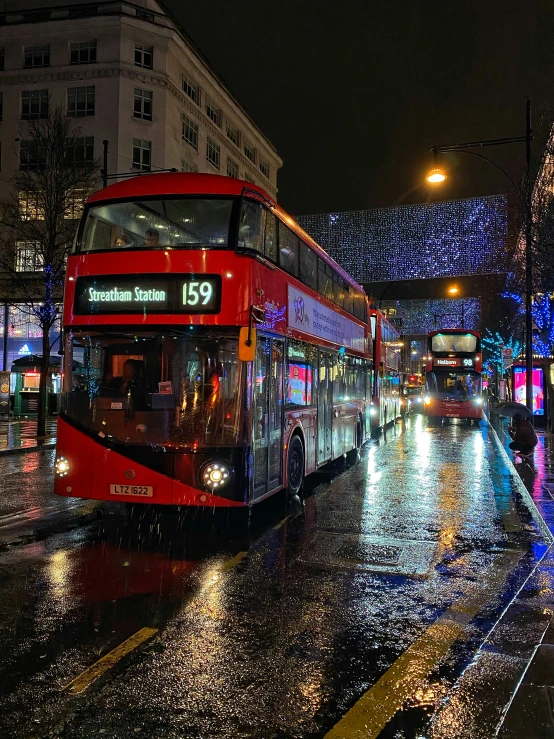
(214, 353)
(386, 396)
(453, 380)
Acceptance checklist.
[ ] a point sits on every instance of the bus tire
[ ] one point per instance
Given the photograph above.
(295, 467)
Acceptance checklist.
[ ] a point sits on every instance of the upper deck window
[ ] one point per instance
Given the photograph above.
(182, 222)
(455, 343)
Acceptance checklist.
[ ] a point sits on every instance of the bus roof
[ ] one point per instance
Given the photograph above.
(187, 183)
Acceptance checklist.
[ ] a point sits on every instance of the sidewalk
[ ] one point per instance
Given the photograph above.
(19, 436)
(520, 648)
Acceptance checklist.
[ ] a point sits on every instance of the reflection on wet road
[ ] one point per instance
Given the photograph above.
(355, 614)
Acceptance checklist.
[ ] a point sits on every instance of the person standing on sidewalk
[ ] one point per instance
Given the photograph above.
(523, 435)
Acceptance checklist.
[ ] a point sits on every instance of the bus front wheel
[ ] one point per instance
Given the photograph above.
(295, 467)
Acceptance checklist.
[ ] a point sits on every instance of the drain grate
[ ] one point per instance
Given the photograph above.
(364, 552)
(370, 553)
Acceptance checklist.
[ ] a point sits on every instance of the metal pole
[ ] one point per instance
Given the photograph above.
(105, 166)
(528, 222)
(5, 337)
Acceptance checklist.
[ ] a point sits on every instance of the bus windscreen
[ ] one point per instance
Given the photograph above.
(180, 222)
(456, 343)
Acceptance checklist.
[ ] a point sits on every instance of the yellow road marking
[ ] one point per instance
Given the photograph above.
(511, 520)
(226, 566)
(106, 662)
(370, 714)
(82, 681)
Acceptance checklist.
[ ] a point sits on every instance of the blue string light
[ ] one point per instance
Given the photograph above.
(448, 239)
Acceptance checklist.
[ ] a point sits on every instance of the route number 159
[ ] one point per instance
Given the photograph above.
(195, 293)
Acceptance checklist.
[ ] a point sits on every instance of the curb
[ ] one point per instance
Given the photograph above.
(522, 490)
(24, 449)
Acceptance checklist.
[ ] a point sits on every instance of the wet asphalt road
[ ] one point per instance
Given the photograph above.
(268, 627)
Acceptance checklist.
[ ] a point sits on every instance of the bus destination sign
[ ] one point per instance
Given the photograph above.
(453, 362)
(104, 294)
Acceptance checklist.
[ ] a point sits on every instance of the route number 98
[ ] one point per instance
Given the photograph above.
(195, 293)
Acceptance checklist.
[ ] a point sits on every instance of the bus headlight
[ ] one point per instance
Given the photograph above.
(419, 399)
(427, 400)
(62, 466)
(478, 401)
(215, 475)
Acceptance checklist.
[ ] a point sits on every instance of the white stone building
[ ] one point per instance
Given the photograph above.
(130, 76)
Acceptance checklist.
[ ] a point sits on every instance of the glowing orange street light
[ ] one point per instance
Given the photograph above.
(453, 290)
(436, 175)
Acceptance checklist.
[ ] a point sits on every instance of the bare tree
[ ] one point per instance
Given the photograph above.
(56, 175)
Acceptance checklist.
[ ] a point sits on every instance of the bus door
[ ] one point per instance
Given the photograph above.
(325, 408)
(267, 407)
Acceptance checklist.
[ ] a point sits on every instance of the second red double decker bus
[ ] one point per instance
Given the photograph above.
(453, 382)
(214, 353)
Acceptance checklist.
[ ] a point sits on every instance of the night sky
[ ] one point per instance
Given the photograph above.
(354, 94)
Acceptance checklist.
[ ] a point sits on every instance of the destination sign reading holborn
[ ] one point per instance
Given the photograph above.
(148, 294)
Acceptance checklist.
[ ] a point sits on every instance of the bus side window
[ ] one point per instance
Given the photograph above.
(338, 290)
(270, 237)
(251, 231)
(325, 280)
(308, 266)
(288, 249)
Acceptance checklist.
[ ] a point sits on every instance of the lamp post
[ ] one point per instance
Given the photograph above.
(438, 175)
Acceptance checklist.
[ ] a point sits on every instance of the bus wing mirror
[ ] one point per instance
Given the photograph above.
(247, 344)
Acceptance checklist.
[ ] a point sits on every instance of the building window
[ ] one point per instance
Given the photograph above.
(212, 153)
(81, 149)
(82, 53)
(31, 156)
(144, 15)
(36, 56)
(34, 104)
(213, 113)
(75, 204)
(250, 152)
(2, 58)
(232, 168)
(233, 134)
(142, 154)
(30, 206)
(0, 156)
(143, 104)
(189, 132)
(264, 168)
(80, 101)
(188, 167)
(1, 105)
(190, 89)
(27, 257)
(144, 56)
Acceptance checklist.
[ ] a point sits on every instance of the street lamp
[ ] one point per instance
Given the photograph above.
(453, 290)
(437, 175)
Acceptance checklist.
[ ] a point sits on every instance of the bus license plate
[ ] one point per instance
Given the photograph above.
(143, 491)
